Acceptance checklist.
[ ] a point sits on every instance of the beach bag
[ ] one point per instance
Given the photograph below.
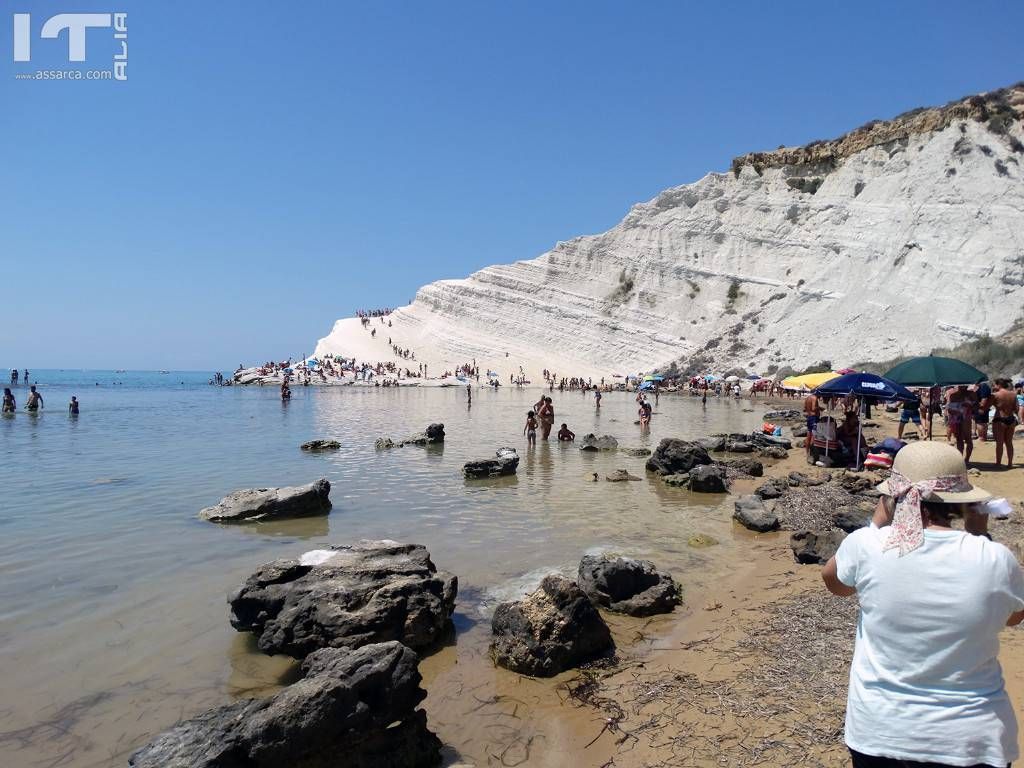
(878, 461)
(768, 428)
(777, 432)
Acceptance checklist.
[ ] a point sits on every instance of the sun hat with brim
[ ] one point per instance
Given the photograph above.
(928, 460)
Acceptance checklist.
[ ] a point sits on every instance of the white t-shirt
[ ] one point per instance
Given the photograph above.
(925, 683)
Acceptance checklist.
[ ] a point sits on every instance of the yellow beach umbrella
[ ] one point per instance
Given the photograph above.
(808, 380)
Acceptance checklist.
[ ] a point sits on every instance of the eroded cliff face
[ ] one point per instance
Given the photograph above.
(896, 238)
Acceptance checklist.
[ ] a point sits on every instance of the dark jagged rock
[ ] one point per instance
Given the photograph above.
(851, 518)
(751, 467)
(346, 597)
(383, 443)
(800, 431)
(857, 482)
(264, 504)
(713, 444)
(505, 462)
(772, 452)
(673, 456)
(620, 475)
(810, 547)
(708, 478)
(772, 488)
(802, 479)
(678, 480)
(552, 629)
(320, 445)
(432, 435)
(592, 442)
(625, 585)
(360, 704)
(738, 447)
(751, 513)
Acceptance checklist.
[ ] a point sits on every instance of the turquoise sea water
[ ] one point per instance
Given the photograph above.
(113, 621)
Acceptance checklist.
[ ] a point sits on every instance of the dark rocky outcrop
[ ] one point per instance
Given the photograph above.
(620, 475)
(432, 435)
(265, 504)
(505, 462)
(787, 414)
(625, 585)
(357, 704)
(552, 629)
(751, 467)
(346, 597)
(772, 452)
(637, 452)
(752, 513)
(800, 431)
(592, 442)
(810, 547)
(708, 478)
(714, 444)
(805, 480)
(772, 488)
(673, 456)
(320, 445)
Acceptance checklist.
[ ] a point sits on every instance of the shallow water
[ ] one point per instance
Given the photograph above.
(113, 615)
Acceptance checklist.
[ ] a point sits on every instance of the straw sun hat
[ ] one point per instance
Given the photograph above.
(927, 460)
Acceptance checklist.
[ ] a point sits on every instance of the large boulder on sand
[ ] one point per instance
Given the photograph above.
(346, 597)
(673, 456)
(625, 585)
(552, 629)
(264, 504)
(592, 442)
(357, 704)
(708, 478)
(752, 513)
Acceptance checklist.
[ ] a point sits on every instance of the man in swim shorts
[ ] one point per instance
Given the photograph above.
(812, 412)
(910, 411)
(35, 400)
(1004, 422)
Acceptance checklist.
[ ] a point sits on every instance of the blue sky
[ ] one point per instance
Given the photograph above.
(269, 167)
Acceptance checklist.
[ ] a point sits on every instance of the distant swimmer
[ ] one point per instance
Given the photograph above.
(597, 398)
(566, 435)
(14, 376)
(25, 376)
(286, 393)
(9, 404)
(73, 406)
(35, 400)
(469, 392)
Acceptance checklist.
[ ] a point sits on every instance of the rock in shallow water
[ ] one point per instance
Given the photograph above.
(321, 445)
(625, 585)
(673, 456)
(353, 708)
(592, 442)
(496, 467)
(346, 597)
(620, 475)
(263, 504)
(552, 629)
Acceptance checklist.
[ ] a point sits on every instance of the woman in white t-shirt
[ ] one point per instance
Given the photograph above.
(926, 687)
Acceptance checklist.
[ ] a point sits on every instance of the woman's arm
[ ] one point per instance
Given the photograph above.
(832, 583)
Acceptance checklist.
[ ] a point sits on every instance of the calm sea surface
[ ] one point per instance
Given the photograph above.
(113, 615)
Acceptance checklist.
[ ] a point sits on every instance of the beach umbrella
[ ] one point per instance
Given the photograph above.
(732, 379)
(754, 377)
(650, 377)
(867, 386)
(933, 371)
(808, 380)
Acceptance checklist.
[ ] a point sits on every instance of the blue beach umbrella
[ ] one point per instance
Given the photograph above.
(867, 386)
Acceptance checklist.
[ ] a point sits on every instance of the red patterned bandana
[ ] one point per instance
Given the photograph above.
(907, 531)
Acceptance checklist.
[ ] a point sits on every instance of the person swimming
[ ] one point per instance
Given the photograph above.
(566, 435)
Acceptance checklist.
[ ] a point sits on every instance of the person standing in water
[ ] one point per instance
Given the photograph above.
(14, 377)
(9, 404)
(597, 398)
(530, 430)
(73, 406)
(35, 400)
(469, 394)
(25, 376)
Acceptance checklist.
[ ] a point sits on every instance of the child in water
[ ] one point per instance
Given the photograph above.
(530, 430)
(566, 435)
(645, 414)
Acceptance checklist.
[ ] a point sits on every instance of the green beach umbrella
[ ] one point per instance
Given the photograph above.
(930, 371)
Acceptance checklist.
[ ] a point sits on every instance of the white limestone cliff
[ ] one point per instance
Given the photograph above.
(894, 239)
